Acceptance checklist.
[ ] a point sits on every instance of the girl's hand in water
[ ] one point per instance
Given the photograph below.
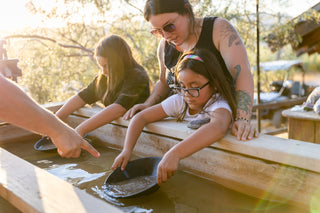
(167, 167)
(121, 160)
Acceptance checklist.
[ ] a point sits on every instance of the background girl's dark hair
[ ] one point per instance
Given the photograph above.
(119, 60)
(182, 7)
(211, 69)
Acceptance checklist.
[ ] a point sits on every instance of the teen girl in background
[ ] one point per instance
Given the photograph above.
(121, 83)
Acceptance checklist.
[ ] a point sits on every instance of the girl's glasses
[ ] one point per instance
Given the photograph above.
(194, 92)
(168, 28)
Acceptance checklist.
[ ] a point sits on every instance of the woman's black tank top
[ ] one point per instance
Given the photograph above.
(171, 54)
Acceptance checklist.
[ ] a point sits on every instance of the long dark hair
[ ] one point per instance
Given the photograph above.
(211, 69)
(182, 7)
(119, 60)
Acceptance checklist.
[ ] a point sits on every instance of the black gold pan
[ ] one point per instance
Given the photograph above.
(45, 144)
(139, 178)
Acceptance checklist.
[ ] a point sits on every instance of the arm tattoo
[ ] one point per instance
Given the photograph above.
(232, 38)
(244, 104)
(238, 68)
(230, 33)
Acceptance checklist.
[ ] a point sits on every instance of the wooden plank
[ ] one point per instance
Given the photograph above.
(303, 115)
(310, 38)
(10, 133)
(252, 176)
(31, 189)
(317, 133)
(305, 27)
(303, 130)
(5, 207)
(286, 151)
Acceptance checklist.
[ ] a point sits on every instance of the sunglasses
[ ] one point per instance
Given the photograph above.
(168, 28)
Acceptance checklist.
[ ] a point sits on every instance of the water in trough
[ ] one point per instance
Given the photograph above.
(184, 192)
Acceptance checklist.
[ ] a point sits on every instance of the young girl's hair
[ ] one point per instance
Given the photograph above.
(119, 60)
(203, 62)
(182, 7)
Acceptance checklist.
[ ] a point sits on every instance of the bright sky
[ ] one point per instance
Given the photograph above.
(299, 6)
(13, 14)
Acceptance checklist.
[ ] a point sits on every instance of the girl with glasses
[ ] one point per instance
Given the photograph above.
(120, 84)
(181, 31)
(203, 94)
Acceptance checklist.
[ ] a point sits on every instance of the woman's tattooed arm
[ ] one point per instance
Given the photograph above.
(244, 105)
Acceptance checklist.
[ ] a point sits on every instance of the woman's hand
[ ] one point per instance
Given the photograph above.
(244, 130)
(121, 160)
(135, 109)
(167, 167)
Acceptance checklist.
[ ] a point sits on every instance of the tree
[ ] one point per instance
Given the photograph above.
(57, 61)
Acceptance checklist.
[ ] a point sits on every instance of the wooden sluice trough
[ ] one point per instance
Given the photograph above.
(268, 167)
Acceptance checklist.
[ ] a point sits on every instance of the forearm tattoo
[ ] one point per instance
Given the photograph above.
(244, 105)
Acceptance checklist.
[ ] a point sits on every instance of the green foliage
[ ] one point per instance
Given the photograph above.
(57, 62)
(141, 41)
(284, 34)
(52, 72)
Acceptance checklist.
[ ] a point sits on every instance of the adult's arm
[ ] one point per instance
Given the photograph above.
(19, 109)
(228, 42)
(160, 90)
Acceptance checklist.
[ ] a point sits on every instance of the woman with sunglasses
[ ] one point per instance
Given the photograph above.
(121, 83)
(202, 95)
(181, 31)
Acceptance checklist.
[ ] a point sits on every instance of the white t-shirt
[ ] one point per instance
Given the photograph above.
(173, 106)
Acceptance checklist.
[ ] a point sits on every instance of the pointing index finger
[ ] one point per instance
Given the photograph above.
(86, 146)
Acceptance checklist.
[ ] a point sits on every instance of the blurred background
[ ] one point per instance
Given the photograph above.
(54, 39)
